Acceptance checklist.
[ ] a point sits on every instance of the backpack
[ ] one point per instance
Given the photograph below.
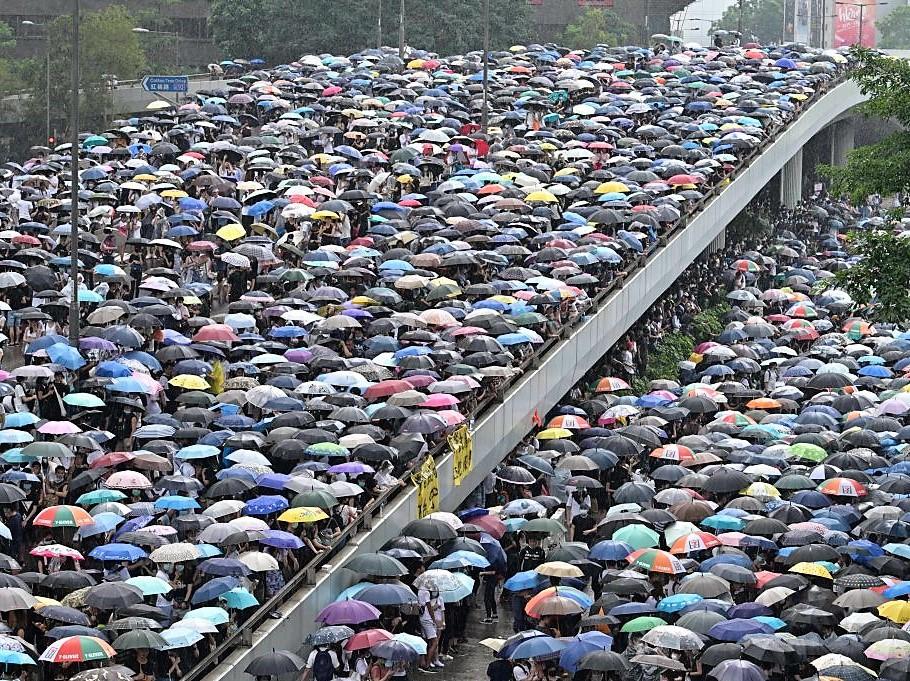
(323, 669)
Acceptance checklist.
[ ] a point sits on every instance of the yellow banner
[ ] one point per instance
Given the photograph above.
(426, 480)
(462, 449)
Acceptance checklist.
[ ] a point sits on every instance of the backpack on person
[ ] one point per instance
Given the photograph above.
(323, 669)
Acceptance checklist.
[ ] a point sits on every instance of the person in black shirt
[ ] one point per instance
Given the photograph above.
(531, 555)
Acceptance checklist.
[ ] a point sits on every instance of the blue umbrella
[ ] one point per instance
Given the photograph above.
(522, 581)
(610, 550)
(213, 588)
(538, 648)
(394, 651)
(239, 599)
(458, 559)
(177, 503)
(265, 505)
(677, 602)
(66, 356)
(581, 645)
(281, 539)
(103, 522)
(734, 630)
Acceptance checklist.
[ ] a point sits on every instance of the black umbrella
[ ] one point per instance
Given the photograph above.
(113, 595)
(276, 663)
(377, 564)
(429, 529)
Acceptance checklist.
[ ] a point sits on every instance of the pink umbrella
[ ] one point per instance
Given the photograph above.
(468, 331)
(59, 428)
(331, 91)
(420, 381)
(386, 388)
(452, 418)
(128, 480)
(731, 538)
(439, 400)
(491, 524)
(55, 551)
(149, 385)
(216, 332)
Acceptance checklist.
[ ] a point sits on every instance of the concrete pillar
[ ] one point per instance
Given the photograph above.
(842, 138)
(791, 181)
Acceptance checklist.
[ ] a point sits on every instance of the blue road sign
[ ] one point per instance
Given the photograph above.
(166, 83)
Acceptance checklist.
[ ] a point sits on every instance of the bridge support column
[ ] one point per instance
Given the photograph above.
(791, 181)
(842, 140)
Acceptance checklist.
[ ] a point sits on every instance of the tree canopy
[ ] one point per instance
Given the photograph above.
(595, 26)
(762, 18)
(282, 30)
(882, 274)
(882, 168)
(894, 29)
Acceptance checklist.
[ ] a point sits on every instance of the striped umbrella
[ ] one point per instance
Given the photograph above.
(655, 560)
(78, 649)
(63, 516)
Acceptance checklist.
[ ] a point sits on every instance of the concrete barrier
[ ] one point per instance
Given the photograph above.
(501, 429)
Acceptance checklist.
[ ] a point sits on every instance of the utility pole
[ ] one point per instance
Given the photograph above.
(401, 30)
(485, 112)
(739, 21)
(379, 26)
(74, 183)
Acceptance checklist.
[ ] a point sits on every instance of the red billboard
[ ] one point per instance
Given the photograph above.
(853, 18)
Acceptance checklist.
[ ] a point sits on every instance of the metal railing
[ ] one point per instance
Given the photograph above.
(243, 636)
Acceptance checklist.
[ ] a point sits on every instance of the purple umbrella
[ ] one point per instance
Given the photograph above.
(352, 467)
(281, 539)
(348, 612)
(737, 670)
(734, 630)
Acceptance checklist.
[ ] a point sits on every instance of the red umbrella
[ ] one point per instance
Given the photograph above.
(491, 524)
(367, 639)
(216, 332)
(386, 388)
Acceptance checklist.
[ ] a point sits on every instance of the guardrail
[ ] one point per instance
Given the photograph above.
(504, 418)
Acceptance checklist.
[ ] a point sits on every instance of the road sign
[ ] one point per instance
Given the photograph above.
(166, 83)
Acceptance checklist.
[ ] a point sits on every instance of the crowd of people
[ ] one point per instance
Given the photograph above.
(746, 522)
(289, 291)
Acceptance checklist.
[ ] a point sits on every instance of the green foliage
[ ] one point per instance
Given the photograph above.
(283, 30)
(7, 66)
(881, 276)
(894, 29)
(597, 26)
(763, 18)
(108, 47)
(882, 168)
(676, 347)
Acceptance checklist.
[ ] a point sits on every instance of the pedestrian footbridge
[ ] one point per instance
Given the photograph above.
(289, 617)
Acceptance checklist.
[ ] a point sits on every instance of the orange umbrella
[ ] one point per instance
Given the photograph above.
(763, 403)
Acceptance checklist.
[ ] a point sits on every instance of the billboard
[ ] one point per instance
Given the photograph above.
(851, 19)
(801, 21)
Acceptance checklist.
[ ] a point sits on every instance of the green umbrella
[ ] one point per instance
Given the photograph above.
(637, 536)
(47, 450)
(640, 624)
(315, 497)
(140, 638)
(544, 526)
(803, 450)
(100, 496)
(85, 400)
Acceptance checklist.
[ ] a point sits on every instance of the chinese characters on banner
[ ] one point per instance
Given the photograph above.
(426, 480)
(849, 18)
(462, 448)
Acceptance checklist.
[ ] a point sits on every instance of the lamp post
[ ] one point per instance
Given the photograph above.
(485, 111)
(862, 7)
(47, 77)
(74, 182)
(166, 34)
(401, 30)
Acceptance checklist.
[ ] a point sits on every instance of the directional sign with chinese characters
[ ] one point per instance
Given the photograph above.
(166, 83)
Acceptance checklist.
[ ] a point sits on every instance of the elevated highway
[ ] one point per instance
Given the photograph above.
(286, 621)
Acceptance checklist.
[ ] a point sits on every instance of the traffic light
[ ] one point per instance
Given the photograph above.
(51, 141)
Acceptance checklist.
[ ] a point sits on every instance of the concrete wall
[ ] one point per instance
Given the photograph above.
(503, 427)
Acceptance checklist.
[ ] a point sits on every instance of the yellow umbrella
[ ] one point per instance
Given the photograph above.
(558, 568)
(608, 187)
(761, 489)
(231, 232)
(174, 194)
(811, 569)
(191, 300)
(325, 215)
(896, 611)
(364, 300)
(302, 514)
(554, 434)
(189, 382)
(43, 601)
(145, 177)
(541, 196)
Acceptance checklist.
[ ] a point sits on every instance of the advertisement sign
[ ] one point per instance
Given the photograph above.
(426, 480)
(850, 20)
(462, 446)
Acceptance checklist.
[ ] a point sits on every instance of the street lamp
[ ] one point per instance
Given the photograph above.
(47, 77)
(166, 34)
(74, 183)
(862, 6)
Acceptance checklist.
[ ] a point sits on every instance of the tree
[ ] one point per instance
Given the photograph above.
(597, 26)
(882, 274)
(108, 47)
(762, 18)
(7, 43)
(882, 168)
(283, 30)
(894, 29)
